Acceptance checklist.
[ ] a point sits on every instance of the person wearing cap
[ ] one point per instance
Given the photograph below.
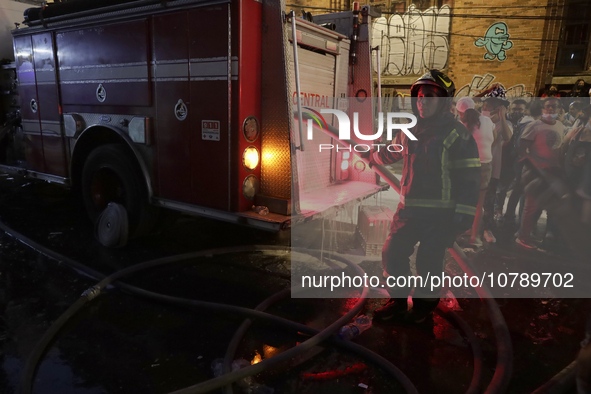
(438, 197)
(495, 107)
(483, 131)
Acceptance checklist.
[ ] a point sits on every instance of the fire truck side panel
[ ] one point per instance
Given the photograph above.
(209, 51)
(49, 112)
(27, 89)
(248, 91)
(112, 56)
(173, 135)
(276, 114)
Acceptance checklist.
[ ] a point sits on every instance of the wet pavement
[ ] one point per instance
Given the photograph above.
(120, 343)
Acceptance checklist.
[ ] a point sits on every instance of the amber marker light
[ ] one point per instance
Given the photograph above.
(250, 158)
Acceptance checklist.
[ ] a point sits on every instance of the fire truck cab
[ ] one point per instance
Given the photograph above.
(187, 105)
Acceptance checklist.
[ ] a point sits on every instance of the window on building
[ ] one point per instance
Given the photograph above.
(573, 49)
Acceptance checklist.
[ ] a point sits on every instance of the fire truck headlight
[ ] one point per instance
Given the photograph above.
(250, 158)
(344, 165)
(250, 187)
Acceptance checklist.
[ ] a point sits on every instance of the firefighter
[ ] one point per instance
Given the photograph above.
(439, 192)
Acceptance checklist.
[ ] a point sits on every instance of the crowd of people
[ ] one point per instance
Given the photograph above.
(551, 135)
(466, 157)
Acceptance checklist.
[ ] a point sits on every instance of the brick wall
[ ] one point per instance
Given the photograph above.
(527, 64)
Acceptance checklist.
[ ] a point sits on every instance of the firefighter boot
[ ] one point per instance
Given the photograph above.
(393, 310)
(422, 310)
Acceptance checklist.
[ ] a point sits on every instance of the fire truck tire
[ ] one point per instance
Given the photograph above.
(110, 174)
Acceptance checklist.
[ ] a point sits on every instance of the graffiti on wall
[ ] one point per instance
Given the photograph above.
(414, 41)
(495, 41)
(480, 83)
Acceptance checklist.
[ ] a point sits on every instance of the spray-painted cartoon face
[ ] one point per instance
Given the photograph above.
(496, 41)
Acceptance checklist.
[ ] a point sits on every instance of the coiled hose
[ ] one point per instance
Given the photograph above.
(95, 291)
(317, 336)
(349, 346)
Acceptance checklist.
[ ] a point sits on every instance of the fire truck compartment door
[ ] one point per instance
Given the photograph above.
(209, 113)
(173, 131)
(317, 83)
(106, 65)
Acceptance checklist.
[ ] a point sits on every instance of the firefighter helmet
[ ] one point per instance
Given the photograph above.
(434, 78)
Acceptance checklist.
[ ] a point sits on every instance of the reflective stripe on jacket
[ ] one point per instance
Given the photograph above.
(441, 169)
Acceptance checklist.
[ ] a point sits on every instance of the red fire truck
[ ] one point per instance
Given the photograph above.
(188, 105)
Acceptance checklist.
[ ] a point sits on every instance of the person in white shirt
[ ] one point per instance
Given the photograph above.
(495, 107)
(482, 129)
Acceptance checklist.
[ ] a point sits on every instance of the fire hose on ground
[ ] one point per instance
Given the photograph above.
(316, 336)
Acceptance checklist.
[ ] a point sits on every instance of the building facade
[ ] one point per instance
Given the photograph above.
(526, 45)
(514, 44)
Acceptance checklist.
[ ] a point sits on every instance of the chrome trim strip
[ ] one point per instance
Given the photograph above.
(44, 75)
(34, 174)
(173, 61)
(171, 79)
(11, 170)
(37, 133)
(114, 65)
(123, 72)
(47, 177)
(50, 133)
(224, 78)
(208, 59)
(171, 70)
(104, 81)
(218, 215)
(48, 129)
(208, 68)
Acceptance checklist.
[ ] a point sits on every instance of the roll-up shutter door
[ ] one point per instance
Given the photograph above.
(317, 78)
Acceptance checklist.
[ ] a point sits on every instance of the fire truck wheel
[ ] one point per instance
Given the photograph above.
(111, 175)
